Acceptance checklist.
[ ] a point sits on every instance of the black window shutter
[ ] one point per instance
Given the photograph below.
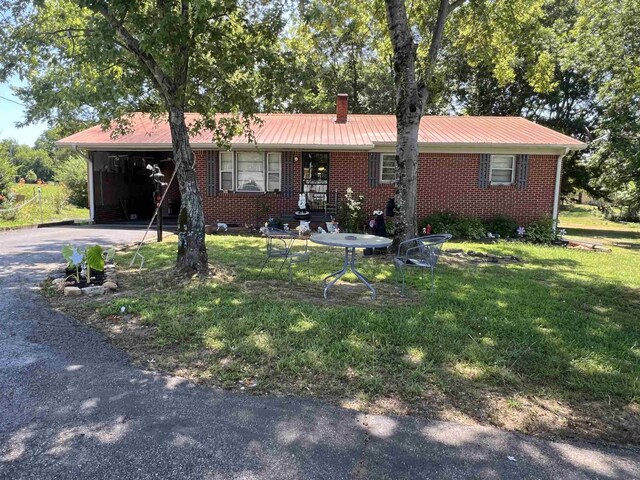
(212, 172)
(286, 182)
(374, 169)
(522, 171)
(485, 170)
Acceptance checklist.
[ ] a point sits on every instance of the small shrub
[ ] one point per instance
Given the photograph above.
(444, 222)
(73, 175)
(7, 173)
(31, 177)
(503, 225)
(351, 216)
(541, 231)
(59, 199)
(7, 204)
(472, 228)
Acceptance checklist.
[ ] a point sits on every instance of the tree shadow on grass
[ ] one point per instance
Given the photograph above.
(510, 332)
(487, 338)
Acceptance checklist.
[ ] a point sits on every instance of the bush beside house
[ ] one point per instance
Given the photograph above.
(501, 226)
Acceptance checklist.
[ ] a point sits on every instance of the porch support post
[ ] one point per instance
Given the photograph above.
(92, 203)
(556, 195)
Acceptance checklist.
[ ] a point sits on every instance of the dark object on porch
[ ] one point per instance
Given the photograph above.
(391, 206)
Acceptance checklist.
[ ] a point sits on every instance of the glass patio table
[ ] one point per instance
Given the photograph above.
(349, 241)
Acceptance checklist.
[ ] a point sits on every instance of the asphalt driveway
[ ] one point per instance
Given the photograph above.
(73, 406)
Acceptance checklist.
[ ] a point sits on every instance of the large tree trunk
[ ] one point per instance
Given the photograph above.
(192, 251)
(409, 107)
(411, 95)
(406, 195)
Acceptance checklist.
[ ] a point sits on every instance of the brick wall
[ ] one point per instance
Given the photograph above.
(449, 182)
(446, 182)
(350, 169)
(245, 208)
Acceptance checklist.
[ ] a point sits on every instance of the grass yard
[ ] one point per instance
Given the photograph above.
(549, 346)
(54, 207)
(584, 222)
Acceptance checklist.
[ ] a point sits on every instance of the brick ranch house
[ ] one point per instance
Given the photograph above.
(473, 166)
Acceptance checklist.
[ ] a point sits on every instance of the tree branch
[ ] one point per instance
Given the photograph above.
(455, 4)
(444, 9)
(130, 43)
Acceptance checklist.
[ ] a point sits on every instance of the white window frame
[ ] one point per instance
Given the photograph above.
(382, 156)
(513, 170)
(264, 173)
(234, 171)
(221, 171)
(267, 171)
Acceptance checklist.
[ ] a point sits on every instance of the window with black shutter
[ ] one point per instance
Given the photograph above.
(374, 169)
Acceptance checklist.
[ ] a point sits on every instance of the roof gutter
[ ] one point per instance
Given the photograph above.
(318, 146)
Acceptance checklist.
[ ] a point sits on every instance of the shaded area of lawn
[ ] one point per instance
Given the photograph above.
(501, 344)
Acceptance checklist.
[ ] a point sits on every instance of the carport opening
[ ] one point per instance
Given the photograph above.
(123, 190)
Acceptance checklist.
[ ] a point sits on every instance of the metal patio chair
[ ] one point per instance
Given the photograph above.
(280, 245)
(422, 253)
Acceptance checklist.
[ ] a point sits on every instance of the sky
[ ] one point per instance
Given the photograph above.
(10, 113)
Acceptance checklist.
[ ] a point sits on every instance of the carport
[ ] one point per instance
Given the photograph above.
(120, 188)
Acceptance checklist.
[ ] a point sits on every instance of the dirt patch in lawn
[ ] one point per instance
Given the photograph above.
(456, 398)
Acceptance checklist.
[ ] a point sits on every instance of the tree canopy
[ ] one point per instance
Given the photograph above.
(104, 60)
(571, 65)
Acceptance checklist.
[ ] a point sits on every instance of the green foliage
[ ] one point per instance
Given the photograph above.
(94, 258)
(335, 47)
(73, 255)
(472, 228)
(603, 45)
(503, 225)
(71, 55)
(59, 199)
(444, 222)
(54, 206)
(31, 176)
(75, 259)
(447, 222)
(351, 217)
(7, 173)
(73, 175)
(541, 231)
(87, 259)
(109, 254)
(26, 158)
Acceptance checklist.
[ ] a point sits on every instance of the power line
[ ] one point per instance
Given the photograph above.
(13, 101)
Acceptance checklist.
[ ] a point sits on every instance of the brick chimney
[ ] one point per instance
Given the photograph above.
(342, 108)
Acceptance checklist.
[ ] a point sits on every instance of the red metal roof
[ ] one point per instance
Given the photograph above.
(320, 130)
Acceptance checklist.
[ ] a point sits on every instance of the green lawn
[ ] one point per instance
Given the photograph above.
(54, 207)
(500, 344)
(584, 222)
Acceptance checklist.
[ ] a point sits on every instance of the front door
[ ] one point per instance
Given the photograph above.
(315, 179)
